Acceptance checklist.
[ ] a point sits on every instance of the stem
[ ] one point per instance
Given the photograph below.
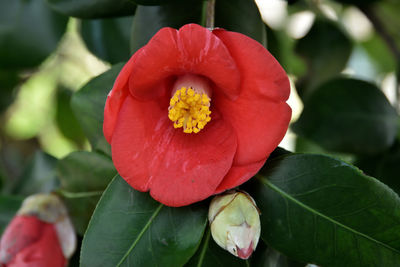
(208, 15)
(67, 194)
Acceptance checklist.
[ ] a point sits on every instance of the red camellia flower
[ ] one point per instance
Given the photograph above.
(40, 235)
(195, 112)
(31, 242)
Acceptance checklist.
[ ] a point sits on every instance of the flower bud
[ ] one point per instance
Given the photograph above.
(235, 223)
(41, 234)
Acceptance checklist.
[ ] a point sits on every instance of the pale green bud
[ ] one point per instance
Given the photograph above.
(235, 223)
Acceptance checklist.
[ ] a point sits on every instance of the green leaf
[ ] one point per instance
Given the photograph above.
(240, 16)
(339, 215)
(39, 176)
(65, 118)
(9, 206)
(378, 51)
(348, 115)
(384, 167)
(108, 39)
(326, 50)
(84, 176)
(88, 106)
(30, 31)
(80, 207)
(84, 171)
(129, 228)
(209, 254)
(303, 145)
(93, 9)
(149, 19)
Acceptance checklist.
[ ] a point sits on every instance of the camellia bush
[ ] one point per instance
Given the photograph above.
(199, 133)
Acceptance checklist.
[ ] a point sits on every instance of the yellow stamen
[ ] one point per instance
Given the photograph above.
(189, 109)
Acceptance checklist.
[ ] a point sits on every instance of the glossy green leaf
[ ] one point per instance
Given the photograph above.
(149, 19)
(9, 206)
(88, 106)
(340, 216)
(84, 176)
(39, 176)
(93, 9)
(240, 16)
(129, 228)
(108, 39)
(29, 32)
(326, 50)
(348, 115)
(209, 254)
(65, 118)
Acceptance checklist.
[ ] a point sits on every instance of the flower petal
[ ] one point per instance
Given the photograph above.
(28, 241)
(177, 168)
(259, 115)
(22, 232)
(115, 99)
(193, 49)
(258, 68)
(44, 253)
(237, 175)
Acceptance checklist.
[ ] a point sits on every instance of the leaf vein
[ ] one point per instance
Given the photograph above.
(156, 212)
(294, 200)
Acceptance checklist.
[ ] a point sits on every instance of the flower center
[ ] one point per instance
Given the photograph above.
(189, 107)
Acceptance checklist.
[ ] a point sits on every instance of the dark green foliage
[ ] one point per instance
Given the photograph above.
(337, 214)
(93, 9)
(83, 176)
(102, 36)
(139, 231)
(66, 119)
(30, 31)
(326, 50)
(348, 115)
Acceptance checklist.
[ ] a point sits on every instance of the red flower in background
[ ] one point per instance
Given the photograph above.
(40, 235)
(195, 112)
(30, 242)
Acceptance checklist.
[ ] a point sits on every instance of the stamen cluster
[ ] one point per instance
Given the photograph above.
(189, 109)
